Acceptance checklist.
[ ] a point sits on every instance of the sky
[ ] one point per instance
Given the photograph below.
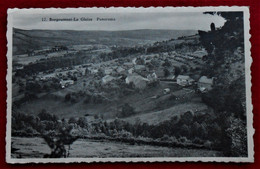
(123, 21)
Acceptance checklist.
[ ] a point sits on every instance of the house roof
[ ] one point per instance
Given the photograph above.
(139, 67)
(200, 53)
(120, 69)
(184, 77)
(107, 78)
(204, 79)
(135, 78)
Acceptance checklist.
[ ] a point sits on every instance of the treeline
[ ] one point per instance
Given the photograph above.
(31, 89)
(221, 43)
(166, 46)
(121, 52)
(228, 97)
(157, 47)
(189, 130)
(49, 64)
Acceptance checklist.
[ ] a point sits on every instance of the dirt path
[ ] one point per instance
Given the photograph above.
(36, 148)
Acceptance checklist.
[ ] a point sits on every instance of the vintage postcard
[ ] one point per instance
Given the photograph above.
(129, 85)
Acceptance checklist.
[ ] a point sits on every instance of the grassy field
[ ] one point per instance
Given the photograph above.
(36, 148)
(25, 60)
(166, 114)
(148, 109)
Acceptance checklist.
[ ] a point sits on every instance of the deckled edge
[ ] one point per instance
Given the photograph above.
(248, 78)
(9, 38)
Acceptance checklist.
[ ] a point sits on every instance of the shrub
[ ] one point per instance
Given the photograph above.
(97, 99)
(197, 140)
(238, 134)
(127, 110)
(72, 120)
(173, 139)
(125, 134)
(184, 130)
(33, 87)
(43, 115)
(165, 138)
(172, 97)
(49, 125)
(30, 131)
(87, 99)
(154, 83)
(208, 144)
(68, 97)
(82, 122)
(183, 140)
(96, 116)
(73, 99)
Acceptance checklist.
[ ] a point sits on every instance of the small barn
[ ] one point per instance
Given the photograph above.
(65, 83)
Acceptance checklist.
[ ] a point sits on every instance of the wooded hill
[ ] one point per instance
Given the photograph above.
(24, 40)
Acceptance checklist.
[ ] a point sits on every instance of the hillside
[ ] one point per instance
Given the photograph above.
(39, 39)
(171, 50)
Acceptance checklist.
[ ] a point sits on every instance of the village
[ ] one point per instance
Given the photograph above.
(160, 75)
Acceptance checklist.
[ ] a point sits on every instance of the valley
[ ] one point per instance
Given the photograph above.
(156, 90)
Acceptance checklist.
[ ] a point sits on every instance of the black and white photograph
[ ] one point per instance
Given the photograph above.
(129, 85)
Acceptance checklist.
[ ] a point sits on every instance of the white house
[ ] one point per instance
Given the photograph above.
(108, 71)
(139, 68)
(131, 70)
(152, 77)
(65, 83)
(48, 76)
(128, 64)
(106, 79)
(138, 81)
(184, 80)
(205, 83)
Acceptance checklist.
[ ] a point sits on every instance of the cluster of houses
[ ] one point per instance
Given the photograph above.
(136, 72)
(64, 75)
(204, 83)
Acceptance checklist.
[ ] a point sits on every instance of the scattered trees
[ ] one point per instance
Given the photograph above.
(127, 110)
(228, 95)
(43, 115)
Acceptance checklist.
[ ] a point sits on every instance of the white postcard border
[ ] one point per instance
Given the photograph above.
(248, 62)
